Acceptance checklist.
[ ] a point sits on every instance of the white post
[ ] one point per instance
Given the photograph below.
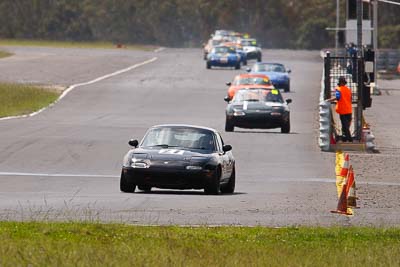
(375, 40)
(337, 26)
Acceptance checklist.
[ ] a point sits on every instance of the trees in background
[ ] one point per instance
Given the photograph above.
(276, 23)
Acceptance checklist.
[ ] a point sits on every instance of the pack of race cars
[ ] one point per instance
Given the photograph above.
(231, 49)
(254, 99)
(178, 156)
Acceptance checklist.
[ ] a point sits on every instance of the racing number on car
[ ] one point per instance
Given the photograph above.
(171, 151)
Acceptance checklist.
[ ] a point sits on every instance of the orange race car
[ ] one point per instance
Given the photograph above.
(245, 80)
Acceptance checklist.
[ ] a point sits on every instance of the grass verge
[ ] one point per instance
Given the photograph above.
(18, 99)
(92, 244)
(4, 54)
(67, 44)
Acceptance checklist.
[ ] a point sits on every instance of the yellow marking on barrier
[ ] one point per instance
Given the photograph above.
(350, 212)
(340, 180)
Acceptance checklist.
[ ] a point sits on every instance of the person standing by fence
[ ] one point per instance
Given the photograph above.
(344, 107)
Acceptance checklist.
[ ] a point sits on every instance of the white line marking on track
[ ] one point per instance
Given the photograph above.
(278, 180)
(57, 175)
(158, 50)
(72, 87)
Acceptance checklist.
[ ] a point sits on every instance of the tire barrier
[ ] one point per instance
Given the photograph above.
(325, 128)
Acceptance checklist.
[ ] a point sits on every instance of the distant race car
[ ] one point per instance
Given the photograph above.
(248, 79)
(209, 45)
(258, 108)
(223, 56)
(239, 50)
(277, 72)
(252, 49)
(178, 156)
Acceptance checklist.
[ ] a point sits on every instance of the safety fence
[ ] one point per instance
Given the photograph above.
(352, 69)
(386, 59)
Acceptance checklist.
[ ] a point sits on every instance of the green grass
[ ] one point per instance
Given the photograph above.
(4, 54)
(18, 99)
(92, 244)
(68, 44)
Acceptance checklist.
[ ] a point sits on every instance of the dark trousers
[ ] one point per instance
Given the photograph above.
(346, 120)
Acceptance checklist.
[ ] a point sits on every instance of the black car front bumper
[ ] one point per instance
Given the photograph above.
(258, 121)
(253, 55)
(168, 178)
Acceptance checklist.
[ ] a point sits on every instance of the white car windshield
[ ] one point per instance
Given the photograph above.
(182, 137)
(252, 80)
(250, 42)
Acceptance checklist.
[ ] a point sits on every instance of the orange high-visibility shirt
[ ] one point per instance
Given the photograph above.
(343, 104)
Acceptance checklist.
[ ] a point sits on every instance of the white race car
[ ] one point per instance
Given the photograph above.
(252, 49)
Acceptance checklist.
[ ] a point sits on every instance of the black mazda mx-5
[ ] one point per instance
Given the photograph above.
(178, 156)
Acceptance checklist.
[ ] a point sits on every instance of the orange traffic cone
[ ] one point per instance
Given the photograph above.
(345, 168)
(342, 203)
(351, 190)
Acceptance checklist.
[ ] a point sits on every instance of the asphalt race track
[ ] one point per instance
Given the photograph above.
(64, 163)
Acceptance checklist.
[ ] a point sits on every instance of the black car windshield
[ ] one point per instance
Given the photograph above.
(223, 50)
(268, 68)
(252, 80)
(182, 137)
(257, 95)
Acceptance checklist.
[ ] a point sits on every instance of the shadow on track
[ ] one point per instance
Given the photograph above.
(263, 132)
(184, 192)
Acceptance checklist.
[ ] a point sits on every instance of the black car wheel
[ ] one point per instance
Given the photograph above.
(213, 185)
(125, 185)
(208, 65)
(259, 58)
(237, 67)
(229, 126)
(285, 128)
(229, 188)
(245, 63)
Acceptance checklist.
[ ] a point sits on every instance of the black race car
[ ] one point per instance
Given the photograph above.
(178, 156)
(258, 108)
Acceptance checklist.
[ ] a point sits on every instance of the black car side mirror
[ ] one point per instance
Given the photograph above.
(133, 143)
(228, 83)
(227, 148)
(288, 70)
(227, 98)
(288, 101)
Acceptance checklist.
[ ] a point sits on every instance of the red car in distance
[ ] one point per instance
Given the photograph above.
(246, 80)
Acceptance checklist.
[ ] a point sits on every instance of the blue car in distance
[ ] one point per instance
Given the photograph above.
(277, 73)
(223, 56)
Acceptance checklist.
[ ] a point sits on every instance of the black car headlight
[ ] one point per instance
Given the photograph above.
(238, 112)
(277, 111)
(139, 161)
(197, 163)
